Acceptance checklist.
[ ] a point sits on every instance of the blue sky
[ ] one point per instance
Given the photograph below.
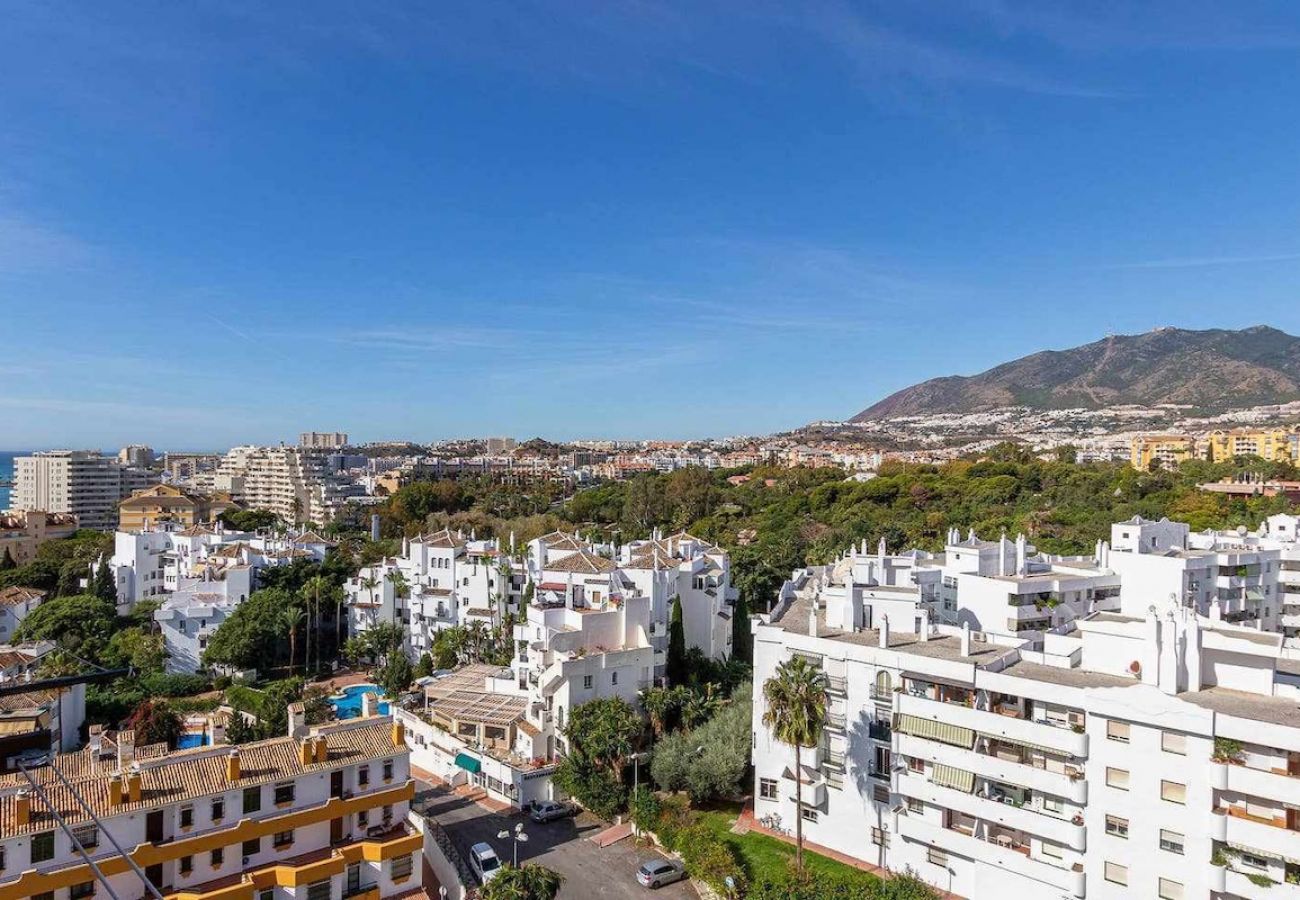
(225, 222)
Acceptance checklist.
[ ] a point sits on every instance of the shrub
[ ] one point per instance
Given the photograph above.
(709, 859)
(160, 684)
(645, 808)
(595, 788)
(674, 818)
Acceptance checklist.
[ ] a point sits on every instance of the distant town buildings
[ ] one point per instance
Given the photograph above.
(496, 446)
(291, 482)
(137, 456)
(83, 483)
(165, 504)
(322, 440)
(1273, 444)
(22, 532)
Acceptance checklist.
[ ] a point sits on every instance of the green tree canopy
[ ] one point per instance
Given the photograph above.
(528, 882)
(254, 635)
(81, 624)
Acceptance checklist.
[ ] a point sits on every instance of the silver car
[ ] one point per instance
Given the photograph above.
(551, 810)
(658, 872)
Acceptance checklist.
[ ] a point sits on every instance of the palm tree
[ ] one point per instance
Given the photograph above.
(796, 713)
(658, 704)
(369, 582)
(311, 593)
(401, 589)
(291, 617)
(700, 706)
(527, 882)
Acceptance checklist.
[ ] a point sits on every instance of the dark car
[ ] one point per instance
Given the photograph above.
(658, 872)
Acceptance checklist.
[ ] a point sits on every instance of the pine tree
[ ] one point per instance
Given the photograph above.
(676, 665)
(104, 586)
(7, 561)
(741, 636)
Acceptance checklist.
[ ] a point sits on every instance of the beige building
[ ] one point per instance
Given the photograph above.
(1275, 444)
(165, 503)
(22, 532)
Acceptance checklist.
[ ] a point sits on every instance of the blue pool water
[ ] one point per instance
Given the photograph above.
(348, 706)
(192, 739)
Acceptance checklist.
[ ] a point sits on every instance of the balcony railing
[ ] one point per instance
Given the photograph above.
(837, 684)
(836, 721)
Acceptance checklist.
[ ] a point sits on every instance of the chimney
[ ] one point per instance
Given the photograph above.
(125, 750)
(369, 705)
(23, 809)
(1021, 552)
(322, 749)
(232, 765)
(398, 733)
(812, 619)
(218, 726)
(884, 632)
(96, 742)
(306, 751)
(115, 790)
(965, 639)
(133, 787)
(297, 720)
(923, 627)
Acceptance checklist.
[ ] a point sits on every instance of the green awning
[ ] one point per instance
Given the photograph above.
(952, 777)
(936, 731)
(469, 763)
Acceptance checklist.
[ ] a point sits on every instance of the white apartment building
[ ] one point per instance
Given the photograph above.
(83, 483)
(446, 578)
(320, 814)
(15, 604)
(1232, 576)
(288, 481)
(1130, 756)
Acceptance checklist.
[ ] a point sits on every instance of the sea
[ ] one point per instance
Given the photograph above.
(7, 474)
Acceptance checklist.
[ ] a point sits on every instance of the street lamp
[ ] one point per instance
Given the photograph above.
(519, 838)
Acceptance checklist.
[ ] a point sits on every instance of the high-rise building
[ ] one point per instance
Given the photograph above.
(84, 483)
(136, 455)
(497, 446)
(322, 440)
(289, 481)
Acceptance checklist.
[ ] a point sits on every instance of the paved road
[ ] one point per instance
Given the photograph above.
(589, 872)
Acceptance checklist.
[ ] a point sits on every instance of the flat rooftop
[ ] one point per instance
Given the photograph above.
(1243, 705)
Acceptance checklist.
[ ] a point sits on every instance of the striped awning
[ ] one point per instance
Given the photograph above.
(936, 731)
(1268, 854)
(952, 777)
(1026, 744)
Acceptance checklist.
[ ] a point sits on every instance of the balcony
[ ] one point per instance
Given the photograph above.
(1020, 731)
(992, 853)
(987, 809)
(837, 684)
(836, 721)
(1238, 884)
(1270, 836)
(1040, 780)
(1256, 783)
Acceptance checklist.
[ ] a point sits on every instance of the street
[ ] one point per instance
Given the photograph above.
(589, 871)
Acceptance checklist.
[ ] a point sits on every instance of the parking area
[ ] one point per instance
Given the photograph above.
(589, 871)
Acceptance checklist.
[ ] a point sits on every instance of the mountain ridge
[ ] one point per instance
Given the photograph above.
(1214, 369)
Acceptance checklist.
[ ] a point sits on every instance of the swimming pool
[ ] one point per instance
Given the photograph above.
(347, 704)
(192, 739)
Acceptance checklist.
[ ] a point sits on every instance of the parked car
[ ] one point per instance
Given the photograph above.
(550, 810)
(483, 860)
(658, 872)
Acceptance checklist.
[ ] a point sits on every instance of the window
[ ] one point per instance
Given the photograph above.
(1052, 851)
(808, 814)
(401, 867)
(1173, 792)
(217, 857)
(283, 794)
(1117, 778)
(252, 847)
(1116, 826)
(2, 859)
(388, 770)
(767, 788)
(319, 891)
(586, 682)
(218, 809)
(1173, 743)
(1117, 731)
(363, 818)
(187, 865)
(914, 805)
(388, 814)
(42, 847)
(363, 775)
(936, 857)
(252, 799)
(1116, 873)
(880, 837)
(87, 835)
(282, 839)
(187, 816)
(1248, 859)
(1171, 841)
(268, 894)
(880, 794)
(1053, 805)
(80, 891)
(613, 678)
(1170, 889)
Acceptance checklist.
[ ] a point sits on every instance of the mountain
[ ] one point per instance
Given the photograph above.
(1211, 370)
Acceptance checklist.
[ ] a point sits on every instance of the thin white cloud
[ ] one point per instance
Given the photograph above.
(1202, 262)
